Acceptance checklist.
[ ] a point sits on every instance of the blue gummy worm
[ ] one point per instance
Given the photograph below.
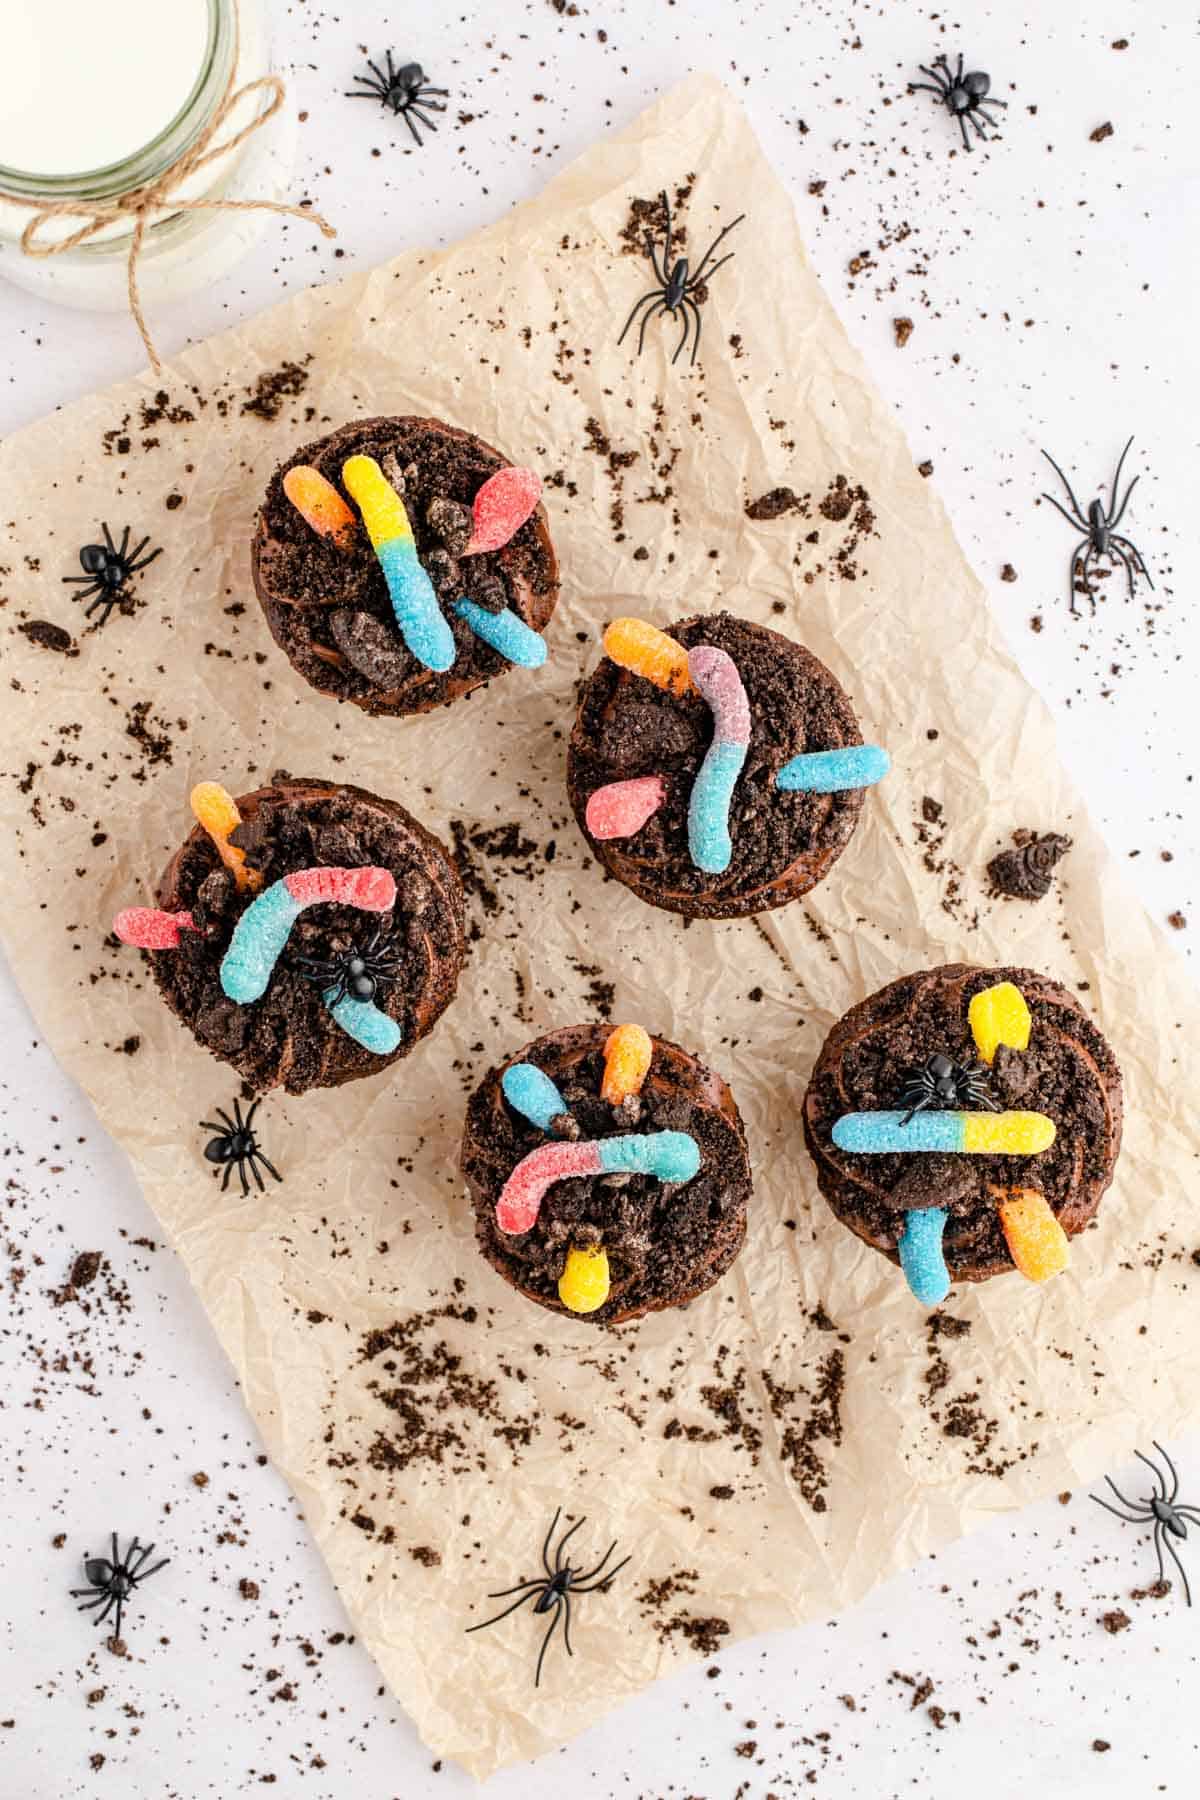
(708, 808)
(258, 937)
(414, 602)
(366, 1024)
(533, 1094)
(831, 771)
(874, 1133)
(505, 632)
(921, 1255)
(668, 1155)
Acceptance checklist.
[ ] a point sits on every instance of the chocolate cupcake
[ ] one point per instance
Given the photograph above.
(608, 1171)
(439, 576)
(965, 1122)
(716, 768)
(307, 934)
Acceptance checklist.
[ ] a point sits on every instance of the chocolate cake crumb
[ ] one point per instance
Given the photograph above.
(773, 504)
(903, 329)
(266, 397)
(1115, 1621)
(1101, 132)
(1177, 920)
(85, 1269)
(1025, 872)
(249, 1590)
(1008, 573)
(925, 468)
(427, 1557)
(1100, 1745)
(46, 635)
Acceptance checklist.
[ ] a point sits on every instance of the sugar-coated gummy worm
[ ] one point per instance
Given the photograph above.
(263, 929)
(214, 808)
(501, 507)
(320, 505)
(505, 632)
(584, 1283)
(974, 1133)
(146, 928)
(414, 602)
(1036, 1241)
(999, 1015)
(922, 1257)
(620, 809)
(646, 651)
(628, 1053)
(715, 674)
(530, 1091)
(672, 1156)
(834, 771)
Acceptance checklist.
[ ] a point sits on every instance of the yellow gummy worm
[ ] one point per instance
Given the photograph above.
(381, 507)
(644, 650)
(583, 1284)
(1037, 1242)
(214, 808)
(627, 1055)
(320, 505)
(1006, 1134)
(998, 1015)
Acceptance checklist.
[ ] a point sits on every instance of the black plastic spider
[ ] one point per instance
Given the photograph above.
(948, 1083)
(356, 973)
(555, 1589)
(1158, 1508)
(677, 287)
(113, 1580)
(404, 90)
(107, 570)
(963, 96)
(236, 1146)
(1100, 531)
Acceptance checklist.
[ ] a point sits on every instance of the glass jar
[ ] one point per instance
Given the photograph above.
(181, 251)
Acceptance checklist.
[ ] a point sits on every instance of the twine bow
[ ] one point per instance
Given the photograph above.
(158, 197)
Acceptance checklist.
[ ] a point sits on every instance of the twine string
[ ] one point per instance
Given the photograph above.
(143, 203)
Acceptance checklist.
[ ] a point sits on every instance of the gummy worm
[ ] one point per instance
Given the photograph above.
(922, 1257)
(320, 505)
(214, 808)
(628, 1053)
(501, 507)
(505, 632)
(667, 1155)
(646, 651)
(263, 929)
(715, 674)
(1036, 1240)
(832, 771)
(149, 929)
(975, 1133)
(999, 1015)
(620, 809)
(414, 602)
(584, 1283)
(530, 1091)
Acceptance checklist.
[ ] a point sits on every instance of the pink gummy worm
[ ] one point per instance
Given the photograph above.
(521, 1198)
(623, 807)
(149, 929)
(371, 889)
(715, 674)
(502, 505)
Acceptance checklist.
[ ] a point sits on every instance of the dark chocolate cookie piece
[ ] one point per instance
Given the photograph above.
(329, 609)
(289, 1038)
(1068, 1072)
(784, 843)
(664, 1244)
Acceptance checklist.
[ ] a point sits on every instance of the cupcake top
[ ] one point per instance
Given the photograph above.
(401, 562)
(716, 768)
(966, 1122)
(608, 1171)
(307, 933)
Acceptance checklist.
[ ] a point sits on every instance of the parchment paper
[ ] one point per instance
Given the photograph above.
(512, 334)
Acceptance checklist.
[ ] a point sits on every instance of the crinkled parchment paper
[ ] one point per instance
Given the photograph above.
(833, 1441)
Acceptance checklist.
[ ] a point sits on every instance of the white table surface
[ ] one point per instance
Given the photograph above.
(1052, 283)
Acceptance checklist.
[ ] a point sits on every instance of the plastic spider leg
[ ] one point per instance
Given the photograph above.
(546, 1545)
(1078, 523)
(1078, 518)
(135, 566)
(696, 339)
(383, 80)
(521, 1587)
(429, 124)
(559, 1564)
(1120, 556)
(1073, 569)
(1139, 561)
(90, 1605)
(959, 75)
(978, 124)
(1189, 1512)
(252, 1163)
(667, 237)
(939, 86)
(566, 1606)
(404, 111)
(1170, 1465)
(225, 1177)
(421, 97)
(268, 1165)
(1120, 512)
(211, 1124)
(1133, 1505)
(546, 1643)
(1116, 480)
(369, 92)
(962, 126)
(592, 1573)
(484, 1623)
(695, 280)
(646, 318)
(992, 101)
(131, 1567)
(593, 1586)
(1129, 1518)
(1171, 1552)
(146, 1574)
(684, 334)
(923, 87)
(112, 548)
(655, 294)
(249, 1121)
(705, 259)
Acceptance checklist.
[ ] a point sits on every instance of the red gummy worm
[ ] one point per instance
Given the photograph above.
(370, 889)
(149, 929)
(521, 1198)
